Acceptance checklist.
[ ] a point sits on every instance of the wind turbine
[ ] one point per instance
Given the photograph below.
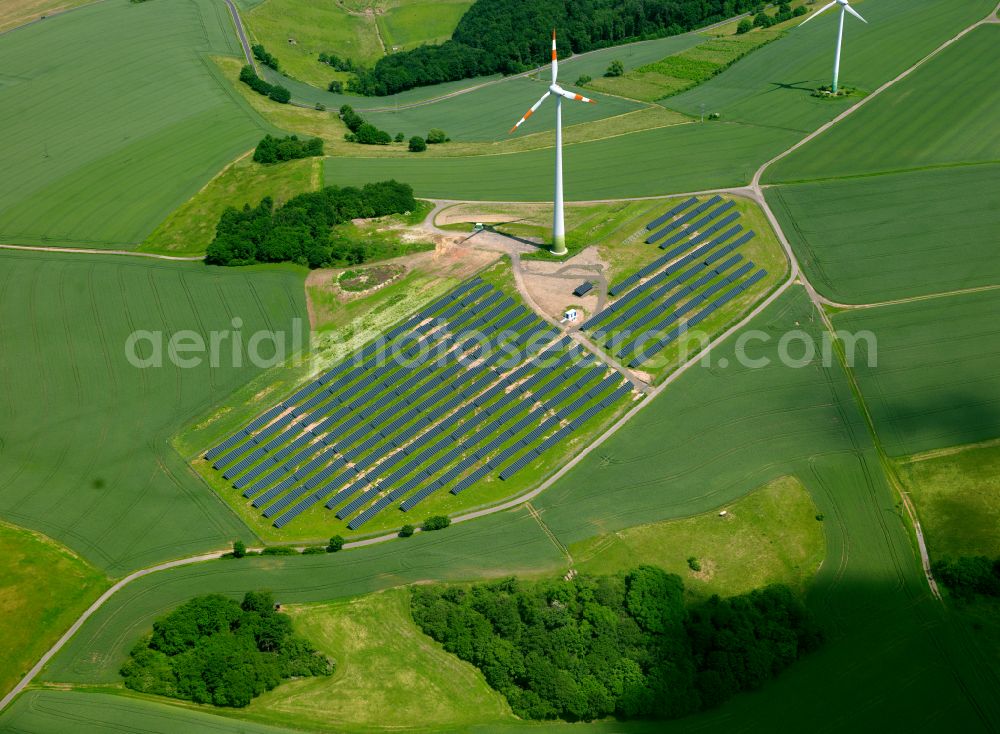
(844, 8)
(558, 217)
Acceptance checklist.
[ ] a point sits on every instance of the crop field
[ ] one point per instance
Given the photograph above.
(935, 383)
(773, 85)
(15, 13)
(957, 494)
(190, 229)
(489, 113)
(120, 137)
(873, 239)
(679, 158)
(65, 712)
(385, 660)
(89, 463)
(943, 114)
(32, 614)
(771, 536)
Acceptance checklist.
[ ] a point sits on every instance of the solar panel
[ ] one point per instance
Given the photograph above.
(265, 418)
(470, 480)
(675, 210)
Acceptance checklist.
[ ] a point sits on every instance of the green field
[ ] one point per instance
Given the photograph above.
(773, 85)
(957, 493)
(592, 63)
(682, 455)
(64, 712)
(190, 229)
(89, 463)
(500, 545)
(771, 536)
(33, 615)
(15, 13)
(386, 661)
(935, 383)
(406, 25)
(688, 68)
(943, 114)
(99, 145)
(873, 239)
(315, 28)
(298, 31)
(489, 113)
(679, 158)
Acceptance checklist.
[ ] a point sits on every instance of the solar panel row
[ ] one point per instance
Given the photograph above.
(732, 293)
(683, 219)
(675, 210)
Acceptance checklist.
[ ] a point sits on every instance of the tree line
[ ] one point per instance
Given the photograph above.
(300, 229)
(512, 36)
(275, 91)
(216, 650)
(969, 576)
(274, 150)
(623, 645)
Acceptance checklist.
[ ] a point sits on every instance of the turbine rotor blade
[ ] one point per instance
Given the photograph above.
(555, 58)
(570, 95)
(530, 112)
(817, 12)
(854, 12)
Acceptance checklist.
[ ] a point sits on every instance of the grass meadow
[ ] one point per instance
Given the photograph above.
(943, 114)
(406, 24)
(387, 662)
(33, 615)
(770, 536)
(90, 463)
(298, 31)
(957, 493)
(880, 238)
(100, 144)
(935, 384)
(190, 229)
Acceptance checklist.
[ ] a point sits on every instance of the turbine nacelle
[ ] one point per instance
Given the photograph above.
(844, 6)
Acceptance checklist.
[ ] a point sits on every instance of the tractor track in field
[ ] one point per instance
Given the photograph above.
(795, 276)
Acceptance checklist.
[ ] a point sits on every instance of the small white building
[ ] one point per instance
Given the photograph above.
(570, 315)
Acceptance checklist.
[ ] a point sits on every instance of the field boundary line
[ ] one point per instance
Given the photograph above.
(911, 299)
(94, 251)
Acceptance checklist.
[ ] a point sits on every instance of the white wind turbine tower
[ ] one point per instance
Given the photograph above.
(558, 218)
(844, 8)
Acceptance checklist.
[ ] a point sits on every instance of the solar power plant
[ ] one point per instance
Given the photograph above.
(430, 406)
(700, 271)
